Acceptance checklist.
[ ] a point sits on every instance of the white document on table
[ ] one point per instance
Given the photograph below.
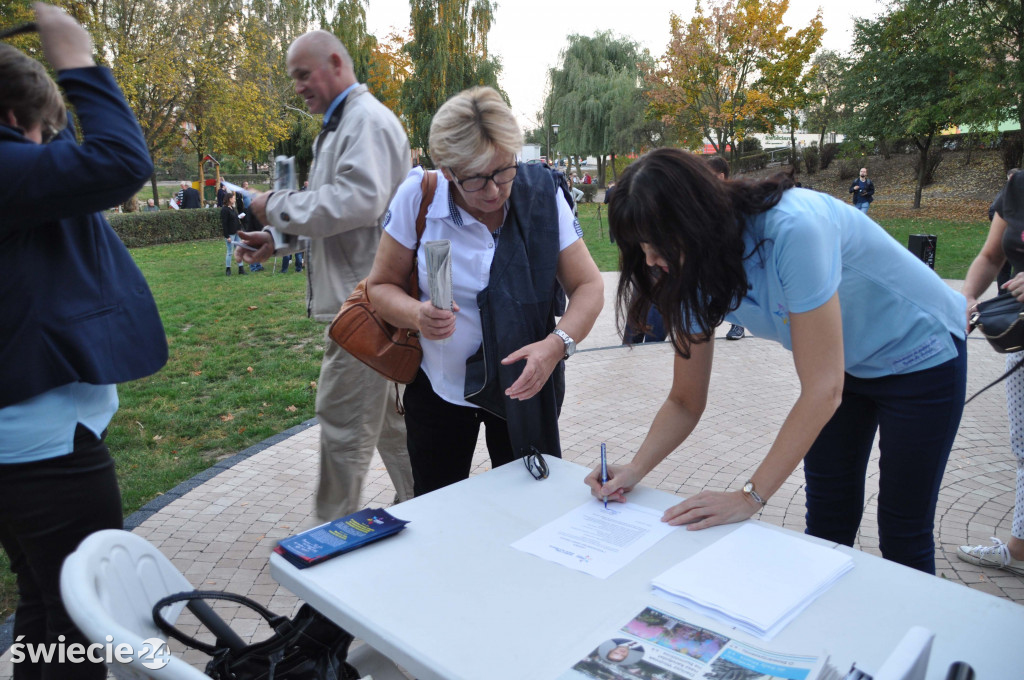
(755, 578)
(595, 540)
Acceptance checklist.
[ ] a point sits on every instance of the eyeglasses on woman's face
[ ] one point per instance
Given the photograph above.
(478, 182)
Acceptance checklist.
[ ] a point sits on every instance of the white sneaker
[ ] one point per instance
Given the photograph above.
(996, 555)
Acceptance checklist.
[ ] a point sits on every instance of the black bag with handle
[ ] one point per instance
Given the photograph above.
(1001, 321)
(307, 647)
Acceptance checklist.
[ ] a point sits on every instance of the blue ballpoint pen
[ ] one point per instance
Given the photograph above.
(604, 472)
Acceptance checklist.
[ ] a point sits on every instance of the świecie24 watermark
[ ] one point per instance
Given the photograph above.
(153, 654)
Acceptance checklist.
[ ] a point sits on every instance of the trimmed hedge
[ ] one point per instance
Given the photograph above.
(251, 179)
(589, 192)
(166, 226)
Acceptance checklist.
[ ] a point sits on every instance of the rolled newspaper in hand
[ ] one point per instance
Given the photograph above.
(439, 272)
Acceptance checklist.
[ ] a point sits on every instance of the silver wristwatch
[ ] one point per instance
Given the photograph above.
(570, 344)
(748, 489)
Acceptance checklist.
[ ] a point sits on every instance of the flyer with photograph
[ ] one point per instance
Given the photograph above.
(657, 646)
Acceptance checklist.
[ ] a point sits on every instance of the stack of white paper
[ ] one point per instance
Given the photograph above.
(755, 579)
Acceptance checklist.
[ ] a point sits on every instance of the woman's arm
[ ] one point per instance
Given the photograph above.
(818, 357)
(582, 282)
(385, 286)
(673, 423)
(986, 265)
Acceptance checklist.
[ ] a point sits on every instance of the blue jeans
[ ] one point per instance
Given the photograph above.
(288, 258)
(863, 207)
(917, 415)
(229, 259)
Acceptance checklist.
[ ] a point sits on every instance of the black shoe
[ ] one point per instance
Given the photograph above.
(241, 270)
(735, 333)
(227, 271)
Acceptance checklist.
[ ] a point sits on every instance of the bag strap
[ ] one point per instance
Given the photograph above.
(995, 382)
(225, 636)
(427, 187)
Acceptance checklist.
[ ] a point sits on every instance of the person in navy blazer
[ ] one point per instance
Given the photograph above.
(78, 318)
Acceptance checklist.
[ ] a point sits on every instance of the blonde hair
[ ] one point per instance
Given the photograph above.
(29, 92)
(471, 128)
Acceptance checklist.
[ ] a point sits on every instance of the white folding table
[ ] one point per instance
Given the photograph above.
(448, 599)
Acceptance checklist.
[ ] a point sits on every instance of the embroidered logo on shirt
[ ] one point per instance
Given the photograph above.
(782, 314)
(577, 227)
(387, 218)
(924, 351)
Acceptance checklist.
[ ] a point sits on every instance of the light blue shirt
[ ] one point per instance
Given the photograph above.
(337, 101)
(898, 315)
(44, 426)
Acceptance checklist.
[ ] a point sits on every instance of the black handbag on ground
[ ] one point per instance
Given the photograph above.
(1001, 321)
(307, 647)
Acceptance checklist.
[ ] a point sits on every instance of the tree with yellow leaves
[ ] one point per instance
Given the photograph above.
(717, 81)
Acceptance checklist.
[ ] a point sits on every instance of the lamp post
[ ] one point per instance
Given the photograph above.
(553, 126)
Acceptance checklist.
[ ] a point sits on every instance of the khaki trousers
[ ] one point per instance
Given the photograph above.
(356, 410)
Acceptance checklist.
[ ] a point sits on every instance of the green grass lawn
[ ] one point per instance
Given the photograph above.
(244, 358)
(243, 364)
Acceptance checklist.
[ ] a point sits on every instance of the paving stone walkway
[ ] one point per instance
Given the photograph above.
(220, 532)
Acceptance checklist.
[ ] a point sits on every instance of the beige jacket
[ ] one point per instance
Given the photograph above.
(359, 160)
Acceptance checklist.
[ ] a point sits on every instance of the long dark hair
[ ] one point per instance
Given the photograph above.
(670, 200)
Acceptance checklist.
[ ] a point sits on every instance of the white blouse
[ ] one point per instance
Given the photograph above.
(473, 246)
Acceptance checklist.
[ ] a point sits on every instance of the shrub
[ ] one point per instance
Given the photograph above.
(828, 154)
(589, 191)
(848, 169)
(166, 226)
(757, 161)
(811, 159)
(794, 161)
(749, 146)
(1011, 149)
(251, 179)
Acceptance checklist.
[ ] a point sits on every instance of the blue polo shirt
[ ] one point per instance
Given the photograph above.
(898, 315)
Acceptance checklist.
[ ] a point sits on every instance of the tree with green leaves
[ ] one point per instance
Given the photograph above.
(903, 82)
(786, 78)
(449, 54)
(826, 75)
(992, 88)
(597, 98)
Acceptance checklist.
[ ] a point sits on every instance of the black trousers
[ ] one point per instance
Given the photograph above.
(441, 437)
(46, 508)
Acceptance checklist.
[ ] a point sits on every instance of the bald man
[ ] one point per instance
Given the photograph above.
(359, 158)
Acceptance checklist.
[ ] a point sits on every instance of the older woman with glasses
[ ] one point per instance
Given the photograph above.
(878, 344)
(496, 355)
(78, 319)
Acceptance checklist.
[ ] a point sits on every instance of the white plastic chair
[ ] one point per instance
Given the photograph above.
(109, 586)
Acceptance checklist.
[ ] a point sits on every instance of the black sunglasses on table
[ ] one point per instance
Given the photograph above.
(535, 463)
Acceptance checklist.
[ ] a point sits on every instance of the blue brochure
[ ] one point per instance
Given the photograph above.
(340, 536)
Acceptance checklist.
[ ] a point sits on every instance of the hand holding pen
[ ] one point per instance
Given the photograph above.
(620, 481)
(604, 473)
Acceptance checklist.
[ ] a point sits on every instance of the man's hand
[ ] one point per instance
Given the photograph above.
(260, 247)
(258, 206)
(65, 43)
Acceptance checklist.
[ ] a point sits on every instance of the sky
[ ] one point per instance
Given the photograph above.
(529, 34)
